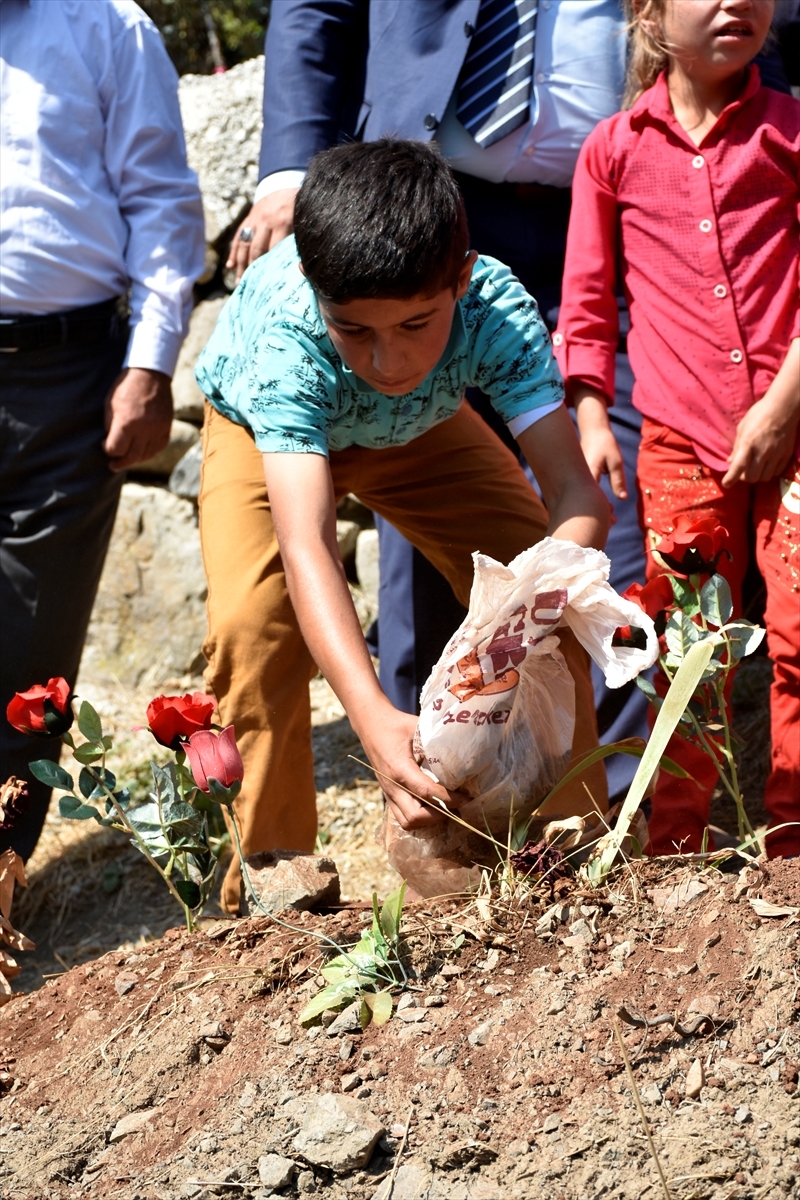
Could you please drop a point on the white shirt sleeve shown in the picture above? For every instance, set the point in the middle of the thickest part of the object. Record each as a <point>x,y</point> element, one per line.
<point>518,425</point>
<point>158,195</point>
<point>277,181</point>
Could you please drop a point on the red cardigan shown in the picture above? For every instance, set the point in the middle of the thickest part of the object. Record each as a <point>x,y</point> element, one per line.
<point>706,240</point>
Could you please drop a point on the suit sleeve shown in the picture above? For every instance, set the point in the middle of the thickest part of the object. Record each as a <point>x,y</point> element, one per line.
<point>585,341</point>
<point>315,55</point>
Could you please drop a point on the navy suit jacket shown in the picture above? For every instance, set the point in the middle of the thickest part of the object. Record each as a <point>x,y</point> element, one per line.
<point>350,68</point>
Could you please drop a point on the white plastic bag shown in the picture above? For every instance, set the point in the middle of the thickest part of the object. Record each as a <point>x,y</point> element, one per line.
<point>498,712</point>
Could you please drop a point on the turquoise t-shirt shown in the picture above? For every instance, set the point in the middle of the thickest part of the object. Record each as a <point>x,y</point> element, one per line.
<point>270,365</point>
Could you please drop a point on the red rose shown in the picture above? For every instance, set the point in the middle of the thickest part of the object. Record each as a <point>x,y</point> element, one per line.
<point>654,597</point>
<point>215,756</point>
<point>693,547</point>
<point>172,717</point>
<point>42,711</point>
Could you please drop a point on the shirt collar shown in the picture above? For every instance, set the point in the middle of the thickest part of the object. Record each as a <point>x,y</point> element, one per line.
<point>455,343</point>
<point>656,104</point>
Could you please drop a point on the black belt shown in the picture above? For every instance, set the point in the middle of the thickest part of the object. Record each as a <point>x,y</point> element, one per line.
<point>94,323</point>
<point>535,195</point>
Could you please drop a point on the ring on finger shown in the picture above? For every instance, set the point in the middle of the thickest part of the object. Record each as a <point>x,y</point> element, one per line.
<point>246,233</point>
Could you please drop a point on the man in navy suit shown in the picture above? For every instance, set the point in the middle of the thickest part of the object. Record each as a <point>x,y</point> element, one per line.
<point>341,69</point>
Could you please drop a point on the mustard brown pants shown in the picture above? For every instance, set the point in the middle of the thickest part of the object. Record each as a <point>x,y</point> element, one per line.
<point>452,490</point>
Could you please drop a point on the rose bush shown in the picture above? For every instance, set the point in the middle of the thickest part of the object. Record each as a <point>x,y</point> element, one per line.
<point>173,718</point>
<point>43,711</point>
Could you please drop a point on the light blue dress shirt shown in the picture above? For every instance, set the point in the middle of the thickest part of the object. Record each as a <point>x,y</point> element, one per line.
<point>95,193</point>
<point>578,79</point>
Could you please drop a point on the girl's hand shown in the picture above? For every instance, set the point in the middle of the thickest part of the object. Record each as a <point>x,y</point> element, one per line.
<point>767,433</point>
<point>598,443</point>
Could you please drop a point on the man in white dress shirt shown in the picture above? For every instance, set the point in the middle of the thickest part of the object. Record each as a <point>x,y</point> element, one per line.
<point>100,243</point>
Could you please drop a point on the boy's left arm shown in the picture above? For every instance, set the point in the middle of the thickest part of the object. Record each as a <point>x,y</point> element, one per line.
<point>578,510</point>
<point>767,434</point>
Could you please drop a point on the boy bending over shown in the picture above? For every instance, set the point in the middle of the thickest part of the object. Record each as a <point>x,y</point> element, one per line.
<point>339,365</point>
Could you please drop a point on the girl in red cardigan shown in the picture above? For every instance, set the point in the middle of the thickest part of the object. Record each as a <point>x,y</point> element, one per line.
<point>690,198</point>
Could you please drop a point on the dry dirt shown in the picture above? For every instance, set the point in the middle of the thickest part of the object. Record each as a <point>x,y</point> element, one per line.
<point>509,1079</point>
<point>504,1067</point>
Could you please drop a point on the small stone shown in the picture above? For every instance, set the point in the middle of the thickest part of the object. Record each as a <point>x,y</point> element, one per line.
<point>346,1047</point>
<point>131,1123</point>
<point>551,1123</point>
<point>363,1092</point>
<point>182,437</point>
<point>275,1171</point>
<point>695,1079</point>
<point>124,981</point>
<point>481,1035</point>
<point>622,951</point>
<point>651,1093</point>
<point>306,1182</point>
<point>350,1082</point>
<point>289,879</point>
<point>208,1145</point>
<point>742,1114</point>
<point>348,1020</point>
<point>412,1015</point>
<point>411,1182</point>
<point>437,1000</point>
<point>338,1132</point>
<point>407,1000</point>
<point>377,1071</point>
<point>185,478</point>
<point>284,1036</point>
<point>706,1004</point>
<point>556,1006</point>
<point>518,1148</point>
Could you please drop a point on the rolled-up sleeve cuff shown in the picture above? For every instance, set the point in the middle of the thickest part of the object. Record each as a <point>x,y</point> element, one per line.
<point>585,363</point>
<point>153,348</point>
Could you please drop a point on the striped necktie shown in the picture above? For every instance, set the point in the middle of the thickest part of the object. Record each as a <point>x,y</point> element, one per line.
<point>494,88</point>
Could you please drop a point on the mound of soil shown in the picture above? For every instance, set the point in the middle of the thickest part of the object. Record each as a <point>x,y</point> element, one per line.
<point>181,1071</point>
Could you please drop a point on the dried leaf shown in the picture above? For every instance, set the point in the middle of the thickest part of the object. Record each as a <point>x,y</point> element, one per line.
<point>12,871</point>
<point>763,908</point>
<point>8,965</point>
<point>670,899</point>
<point>9,935</point>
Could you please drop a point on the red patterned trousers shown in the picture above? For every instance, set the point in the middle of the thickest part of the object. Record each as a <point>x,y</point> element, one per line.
<point>672,480</point>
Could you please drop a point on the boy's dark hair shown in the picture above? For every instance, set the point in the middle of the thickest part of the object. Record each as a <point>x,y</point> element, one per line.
<point>382,218</point>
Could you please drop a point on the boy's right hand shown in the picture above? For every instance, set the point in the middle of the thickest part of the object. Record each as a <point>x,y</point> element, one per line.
<point>388,740</point>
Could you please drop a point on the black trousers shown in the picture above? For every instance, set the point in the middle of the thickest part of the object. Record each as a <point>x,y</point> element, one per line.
<point>58,499</point>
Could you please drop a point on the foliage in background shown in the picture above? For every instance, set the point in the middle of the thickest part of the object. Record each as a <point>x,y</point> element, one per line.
<point>240,27</point>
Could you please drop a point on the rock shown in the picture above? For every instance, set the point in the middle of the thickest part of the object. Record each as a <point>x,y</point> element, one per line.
<point>407,1000</point>
<point>131,1123</point>
<point>339,1132</point>
<point>185,479</point>
<point>367,565</point>
<point>348,1021</point>
<point>124,982</point>
<point>481,1035</point>
<point>290,879</point>
<point>347,535</point>
<point>441,1056</point>
<point>284,1036</point>
<point>346,1048</point>
<point>275,1171</point>
<point>622,951</point>
<point>742,1115</point>
<point>556,1006</point>
<point>189,401</point>
<point>695,1079</point>
<point>670,899</point>
<point>412,1182</point>
<point>706,1004</point>
<point>551,1123</point>
<point>350,1082</point>
<point>651,1093</point>
<point>149,617</point>
<point>182,437</point>
<point>222,122</point>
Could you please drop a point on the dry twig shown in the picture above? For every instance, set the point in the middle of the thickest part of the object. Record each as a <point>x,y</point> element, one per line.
<point>640,1107</point>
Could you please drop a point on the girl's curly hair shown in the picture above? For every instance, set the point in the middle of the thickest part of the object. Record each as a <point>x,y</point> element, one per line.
<point>647,55</point>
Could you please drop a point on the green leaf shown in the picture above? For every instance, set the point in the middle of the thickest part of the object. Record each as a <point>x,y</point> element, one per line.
<point>87,753</point>
<point>107,741</point>
<point>634,747</point>
<point>744,638</point>
<point>89,723</point>
<point>51,775</point>
<point>681,633</point>
<point>380,1004</point>
<point>685,595</point>
<point>716,604</point>
<point>189,892</point>
<point>391,913</point>
<point>677,698</point>
<point>70,806</point>
<point>329,997</point>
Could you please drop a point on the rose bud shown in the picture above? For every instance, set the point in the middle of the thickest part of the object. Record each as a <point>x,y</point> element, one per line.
<point>42,711</point>
<point>694,546</point>
<point>215,759</point>
<point>171,718</point>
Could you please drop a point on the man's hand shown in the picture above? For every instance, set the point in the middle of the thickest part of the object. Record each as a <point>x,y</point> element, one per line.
<point>271,219</point>
<point>138,417</point>
<point>387,738</point>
